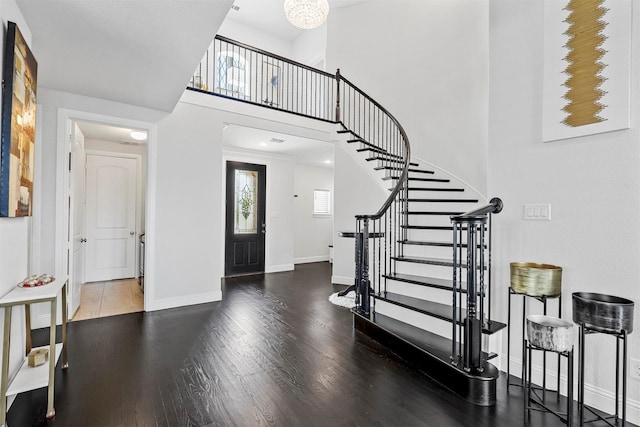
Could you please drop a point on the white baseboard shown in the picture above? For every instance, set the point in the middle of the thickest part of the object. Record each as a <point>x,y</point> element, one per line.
<point>306,260</point>
<point>596,397</point>
<point>166,303</point>
<point>279,268</point>
<point>342,280</point>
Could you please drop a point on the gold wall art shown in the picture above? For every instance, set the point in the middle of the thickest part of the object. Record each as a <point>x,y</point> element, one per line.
<point>586,25</point>
<point>586,67</point>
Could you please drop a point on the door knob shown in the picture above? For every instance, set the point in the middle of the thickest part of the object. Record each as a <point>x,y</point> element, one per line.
<point>131,233</point>
<point>83,240</point>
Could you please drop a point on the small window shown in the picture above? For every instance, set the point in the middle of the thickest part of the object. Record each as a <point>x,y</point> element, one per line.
<point>231,73</point>
<point>321,202</point>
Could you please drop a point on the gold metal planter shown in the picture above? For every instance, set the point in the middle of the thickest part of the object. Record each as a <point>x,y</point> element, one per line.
<point>536,280</point>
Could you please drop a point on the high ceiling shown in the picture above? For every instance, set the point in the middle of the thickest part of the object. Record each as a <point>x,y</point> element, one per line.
<point>138,52</point>
<point>143,52</point>
<point>268,16</point>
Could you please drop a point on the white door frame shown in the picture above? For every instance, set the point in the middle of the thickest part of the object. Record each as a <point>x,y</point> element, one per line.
<point>65,118</point>
<point>139,189</point>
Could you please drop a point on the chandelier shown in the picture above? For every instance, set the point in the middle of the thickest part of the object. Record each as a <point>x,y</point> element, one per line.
<point>306,14</point>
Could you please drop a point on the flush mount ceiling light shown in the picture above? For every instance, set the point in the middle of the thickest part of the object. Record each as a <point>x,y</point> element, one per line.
<point>138,135</point>
<point>306,14</point>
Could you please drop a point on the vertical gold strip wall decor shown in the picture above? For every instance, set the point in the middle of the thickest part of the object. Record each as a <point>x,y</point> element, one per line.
<point>586,36</point>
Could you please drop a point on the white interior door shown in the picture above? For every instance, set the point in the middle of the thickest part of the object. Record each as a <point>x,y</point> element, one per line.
<point>111,217</point>
<point>77,218</point>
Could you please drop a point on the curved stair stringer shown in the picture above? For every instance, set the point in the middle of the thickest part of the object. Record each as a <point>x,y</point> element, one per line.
<point>455,180</point>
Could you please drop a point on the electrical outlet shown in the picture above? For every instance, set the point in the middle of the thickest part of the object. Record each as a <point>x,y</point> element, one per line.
<point>635,369</point>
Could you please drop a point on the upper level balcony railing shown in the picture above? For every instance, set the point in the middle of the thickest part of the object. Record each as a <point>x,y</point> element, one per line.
<point>235,70</point>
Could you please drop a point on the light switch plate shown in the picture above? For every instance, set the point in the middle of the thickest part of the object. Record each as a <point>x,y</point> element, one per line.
<point>537,212</point>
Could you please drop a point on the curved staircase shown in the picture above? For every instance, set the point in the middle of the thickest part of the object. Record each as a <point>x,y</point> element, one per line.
<point>422,259</point>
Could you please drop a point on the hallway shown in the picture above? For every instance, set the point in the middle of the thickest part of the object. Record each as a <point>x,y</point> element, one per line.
<point>109,298</point>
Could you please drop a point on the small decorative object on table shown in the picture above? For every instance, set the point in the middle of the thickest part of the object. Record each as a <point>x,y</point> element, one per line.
<point>35,281</point>
<point>38,357</point>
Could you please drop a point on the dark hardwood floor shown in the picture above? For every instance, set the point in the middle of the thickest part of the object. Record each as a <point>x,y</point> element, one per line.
<point>274,351</point>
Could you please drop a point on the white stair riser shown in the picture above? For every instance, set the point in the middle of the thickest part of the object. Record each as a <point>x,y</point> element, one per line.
<point>440,206</point>
<point>430,235</point>
<point>426,270</point>
<point>432,220</point>
<point>422,292</point>
<point>443,252</point>
<point>413,318</point>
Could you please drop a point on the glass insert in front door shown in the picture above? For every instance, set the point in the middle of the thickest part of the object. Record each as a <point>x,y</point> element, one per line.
<point>246,202</point>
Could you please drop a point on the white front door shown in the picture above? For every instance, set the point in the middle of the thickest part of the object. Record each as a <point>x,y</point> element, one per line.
<point>111,217</point>
<point>76,196</point>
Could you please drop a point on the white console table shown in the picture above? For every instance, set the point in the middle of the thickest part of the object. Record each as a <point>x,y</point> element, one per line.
<point>30,378</point>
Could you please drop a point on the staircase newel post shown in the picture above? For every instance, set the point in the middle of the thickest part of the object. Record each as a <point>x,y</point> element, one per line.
<point>454,322</point>
<point>358,259</point>
<point>364,283</point>
<point>470,321</point>
<point>338,95</point>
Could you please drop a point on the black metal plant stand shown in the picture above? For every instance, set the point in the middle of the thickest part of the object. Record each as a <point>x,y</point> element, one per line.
<point>543,300</point>
<point>621,338</point>
<point>610,315</point>
<point>532,401</point>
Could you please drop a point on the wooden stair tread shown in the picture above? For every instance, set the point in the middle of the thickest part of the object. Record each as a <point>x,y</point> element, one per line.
<point>425,260</point>
<point>433,213</point>
<point>436,344</point>
<point>428,260</point>
<point>431,282</point>
<point>456,190</point>
<point>431,354</point>
<point>429,243</point>
<point>378,168</point>
<point>432,243</point>
<point>386,178</point>
<point>389,160</point>
<point>440,200</point>
<point>435,309</point>
<point>375,149</point>
<point>428,227</point>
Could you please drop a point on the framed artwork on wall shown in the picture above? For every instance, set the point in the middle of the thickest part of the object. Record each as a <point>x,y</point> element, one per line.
<point>18,126</point>
<point>271,84</point>
<point>587,67</point>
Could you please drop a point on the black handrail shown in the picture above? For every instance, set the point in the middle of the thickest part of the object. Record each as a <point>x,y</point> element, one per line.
<point>495,206</point>
<point>272,55</point>
<point>407,156</point>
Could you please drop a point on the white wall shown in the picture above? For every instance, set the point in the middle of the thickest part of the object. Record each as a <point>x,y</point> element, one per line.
<point>187,259</point>
<point>592,184</point>
<point>310,47</point>
<point>430,70</point>
<point>356,192</point>
<point>15,232</point>
<point>256,38</point>
<point>313,234</point>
